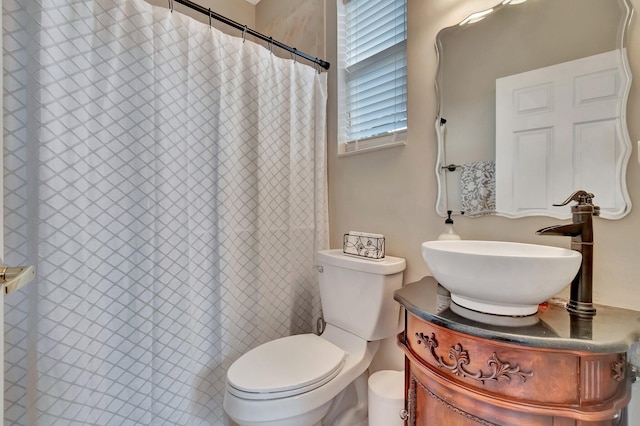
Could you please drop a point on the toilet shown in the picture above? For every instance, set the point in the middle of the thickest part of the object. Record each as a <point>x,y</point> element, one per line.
<point>308,380</point>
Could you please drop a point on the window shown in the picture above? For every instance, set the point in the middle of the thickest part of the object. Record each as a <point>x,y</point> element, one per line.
<point>372,74</point>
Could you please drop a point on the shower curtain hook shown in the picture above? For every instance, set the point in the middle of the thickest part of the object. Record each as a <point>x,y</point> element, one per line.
<point>294,54</point>
<point>244,34</point>
<point>171,5</point>
<point>209,17</point>
<point>271,45</point>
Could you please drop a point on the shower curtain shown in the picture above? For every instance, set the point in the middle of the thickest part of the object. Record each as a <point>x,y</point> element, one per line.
<point>168,183</point>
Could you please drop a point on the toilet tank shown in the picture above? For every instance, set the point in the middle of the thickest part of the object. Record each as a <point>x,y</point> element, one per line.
<point>357,293</point>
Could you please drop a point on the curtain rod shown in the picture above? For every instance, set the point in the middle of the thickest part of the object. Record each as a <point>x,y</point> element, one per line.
<point>325,65</point>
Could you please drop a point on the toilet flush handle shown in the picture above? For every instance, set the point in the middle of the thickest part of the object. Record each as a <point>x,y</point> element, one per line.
<point>13,278</point>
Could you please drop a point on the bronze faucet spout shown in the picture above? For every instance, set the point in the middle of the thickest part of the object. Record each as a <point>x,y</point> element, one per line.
<point>570,230</point>
<point>581,233</point>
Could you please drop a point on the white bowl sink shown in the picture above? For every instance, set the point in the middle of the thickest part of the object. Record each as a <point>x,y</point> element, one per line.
<point>501,278</point>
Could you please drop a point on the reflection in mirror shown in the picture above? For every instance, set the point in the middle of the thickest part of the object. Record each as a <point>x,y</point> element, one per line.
<point>532,103</point>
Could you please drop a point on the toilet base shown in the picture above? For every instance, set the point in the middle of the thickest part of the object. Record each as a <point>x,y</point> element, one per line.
<point>351,406</point>
<point>311,418</point>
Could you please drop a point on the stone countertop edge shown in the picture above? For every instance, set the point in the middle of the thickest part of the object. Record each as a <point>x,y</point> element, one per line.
<point>612,330</point>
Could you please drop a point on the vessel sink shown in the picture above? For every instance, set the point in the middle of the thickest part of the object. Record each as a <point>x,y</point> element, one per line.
<point>498,277</point>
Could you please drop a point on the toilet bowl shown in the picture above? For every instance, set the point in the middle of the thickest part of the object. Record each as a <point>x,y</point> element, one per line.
<point>305,406</point>
<point>305,379</point>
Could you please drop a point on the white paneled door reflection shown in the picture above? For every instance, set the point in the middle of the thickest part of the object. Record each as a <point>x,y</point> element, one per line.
<point>559,129</point>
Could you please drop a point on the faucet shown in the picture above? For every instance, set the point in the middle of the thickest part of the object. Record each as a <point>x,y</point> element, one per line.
<point>581,233</point>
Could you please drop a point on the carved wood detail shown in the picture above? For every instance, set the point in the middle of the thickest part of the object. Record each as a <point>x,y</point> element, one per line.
<point>460,358</point>
<point>451,407</point>
<point>618,370</point>
<point>411,402</point>
<point>445,387</point>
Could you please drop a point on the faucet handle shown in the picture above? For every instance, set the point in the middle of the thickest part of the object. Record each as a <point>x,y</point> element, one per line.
<point>581,196</point>
<point>596,210</point>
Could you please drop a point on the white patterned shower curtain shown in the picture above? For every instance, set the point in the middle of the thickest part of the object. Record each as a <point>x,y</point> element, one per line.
<point>168,183</point>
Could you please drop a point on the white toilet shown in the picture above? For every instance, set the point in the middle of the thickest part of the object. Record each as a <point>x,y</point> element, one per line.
<point>307,380</point>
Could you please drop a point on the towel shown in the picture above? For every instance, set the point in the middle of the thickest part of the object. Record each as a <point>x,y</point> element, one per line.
<point>478,188</point>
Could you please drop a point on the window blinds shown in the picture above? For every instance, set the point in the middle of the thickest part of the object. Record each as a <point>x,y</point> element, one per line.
<point>376,68</point>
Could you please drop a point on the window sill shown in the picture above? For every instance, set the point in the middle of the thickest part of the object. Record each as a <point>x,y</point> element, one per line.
<point>368,145</point>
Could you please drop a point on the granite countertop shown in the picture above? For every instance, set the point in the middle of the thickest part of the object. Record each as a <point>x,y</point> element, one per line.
<point>611,330</point>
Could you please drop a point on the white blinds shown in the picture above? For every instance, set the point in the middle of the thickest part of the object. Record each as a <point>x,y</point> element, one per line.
<point>376,65</point>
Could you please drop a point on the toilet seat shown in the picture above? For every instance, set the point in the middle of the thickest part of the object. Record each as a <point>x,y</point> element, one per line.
<point>285,367</point>
<point>297,409</point>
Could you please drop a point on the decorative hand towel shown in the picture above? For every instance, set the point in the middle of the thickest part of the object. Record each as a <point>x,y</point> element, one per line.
<point>478,188</point>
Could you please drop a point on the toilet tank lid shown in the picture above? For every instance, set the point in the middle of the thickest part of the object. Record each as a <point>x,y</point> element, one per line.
<point>387,266</point>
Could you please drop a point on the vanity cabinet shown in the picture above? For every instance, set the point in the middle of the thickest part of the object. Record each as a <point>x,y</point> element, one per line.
<point>547,370</point>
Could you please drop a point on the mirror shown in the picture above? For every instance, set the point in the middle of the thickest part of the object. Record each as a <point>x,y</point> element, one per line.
<point>532,103</point>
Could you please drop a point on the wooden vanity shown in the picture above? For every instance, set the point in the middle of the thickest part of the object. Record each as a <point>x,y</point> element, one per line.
<point>467,368</point>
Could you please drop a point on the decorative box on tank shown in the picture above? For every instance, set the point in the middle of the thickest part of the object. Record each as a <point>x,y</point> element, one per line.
<point>364,244</point>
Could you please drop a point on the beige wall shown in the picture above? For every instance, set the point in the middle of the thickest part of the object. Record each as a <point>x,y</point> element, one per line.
<point>297,23</point>
<point>240,11</point>
<point>393,191</point>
